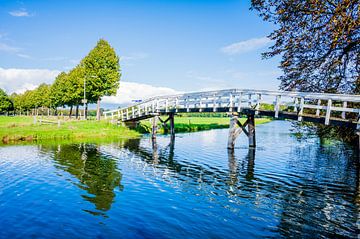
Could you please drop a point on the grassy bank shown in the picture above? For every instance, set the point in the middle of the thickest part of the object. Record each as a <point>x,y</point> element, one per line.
<point>23,129</point>
<point>14,129</point>
<point>192,124</point>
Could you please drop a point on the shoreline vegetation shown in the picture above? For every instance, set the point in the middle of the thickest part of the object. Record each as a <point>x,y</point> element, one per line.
<point>17,129</point>
<point>194,124</point>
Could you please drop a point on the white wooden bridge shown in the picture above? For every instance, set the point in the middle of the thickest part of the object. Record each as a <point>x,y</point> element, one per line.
<point>328,109</point>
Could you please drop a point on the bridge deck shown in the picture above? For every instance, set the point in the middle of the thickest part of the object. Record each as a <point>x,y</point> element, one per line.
<point>328,109</point>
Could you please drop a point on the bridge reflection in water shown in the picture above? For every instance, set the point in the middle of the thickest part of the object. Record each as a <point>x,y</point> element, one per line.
<point>293,202</point>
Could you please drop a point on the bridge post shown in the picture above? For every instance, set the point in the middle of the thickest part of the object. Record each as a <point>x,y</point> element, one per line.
<point>235,131</point>
<point>251,131</point>
<point>164,124</point>
<point>172,127</point>
<point>154,127</point>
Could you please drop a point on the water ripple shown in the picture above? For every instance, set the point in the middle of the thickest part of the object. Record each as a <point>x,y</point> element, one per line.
<point>191,188</point>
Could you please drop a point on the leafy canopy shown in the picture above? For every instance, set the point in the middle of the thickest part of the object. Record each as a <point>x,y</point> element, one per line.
<point>319,41</point>
<point>102,71</point>
<point>5,103</point>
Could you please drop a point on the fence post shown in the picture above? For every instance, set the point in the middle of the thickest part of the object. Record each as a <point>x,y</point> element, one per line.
<point>343,114</point>
<point>231,102</point>
<point>239,102</point>
<point>328,112</point>
<point>277,106</point>
<point>214,104</point>
<point>301,109</point>
<point>317,109</point>
<point>176,104</point>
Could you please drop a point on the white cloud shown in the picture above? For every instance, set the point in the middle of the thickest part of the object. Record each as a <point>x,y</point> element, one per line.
<point>245,46</point>
<point>24,56</point>
<point>19,80</point>
<point>6,48</point>
<point>20,13</point>
<point>129,91</point>
<point>13,50</point>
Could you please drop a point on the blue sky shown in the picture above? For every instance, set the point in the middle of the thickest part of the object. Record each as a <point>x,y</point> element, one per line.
<point>165,46</point>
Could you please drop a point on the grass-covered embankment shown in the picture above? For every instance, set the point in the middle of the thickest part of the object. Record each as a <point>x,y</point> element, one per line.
<point>192,124</point>
<point>18,128</point>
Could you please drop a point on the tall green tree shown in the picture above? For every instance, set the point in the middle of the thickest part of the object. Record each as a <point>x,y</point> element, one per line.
<point>6,104</point>
<point>30,103</point>
<point>102,73</point>
<point>42,95</point>
<point>319,42</point>
<point>57,91</point>
<point>18,102</point>
<point>75,87</point>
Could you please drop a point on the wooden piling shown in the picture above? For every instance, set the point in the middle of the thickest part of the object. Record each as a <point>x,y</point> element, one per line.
<point>172,125</point>
<point>251,131</point>
<point>154,127</point>
<point>233,131</point>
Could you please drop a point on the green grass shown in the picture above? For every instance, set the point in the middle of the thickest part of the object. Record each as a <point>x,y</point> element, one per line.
<point>191,124</point>
<point>23,129</point>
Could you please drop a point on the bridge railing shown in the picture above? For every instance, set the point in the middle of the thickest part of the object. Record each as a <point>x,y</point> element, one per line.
<point>328,106</point>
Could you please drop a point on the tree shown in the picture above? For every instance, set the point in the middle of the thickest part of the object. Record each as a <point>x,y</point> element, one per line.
<point>102,73</point>
<point>62,91</point>
<point>75,87</point>
<point>6,104</point>
<point>319,42</point>
<point>57,91</point>
<point>18,102</point>
<point>29,100</point>
<point>42,96</point>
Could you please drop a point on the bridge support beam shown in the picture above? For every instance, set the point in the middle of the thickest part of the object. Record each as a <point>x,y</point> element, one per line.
<point>235,131</point>
<point>251,130</point>
<point>155,121</point>
<point>165,126</point>
<point>154,127</point>
<point>131,124</point>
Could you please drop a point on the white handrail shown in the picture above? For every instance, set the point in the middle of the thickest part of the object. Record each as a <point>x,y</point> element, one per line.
<point>236,99</point>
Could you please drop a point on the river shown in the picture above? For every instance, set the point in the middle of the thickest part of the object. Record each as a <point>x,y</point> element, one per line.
<point>188,188</point>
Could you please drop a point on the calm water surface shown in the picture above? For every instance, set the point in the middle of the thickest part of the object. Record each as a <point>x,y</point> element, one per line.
<point>191,188</point>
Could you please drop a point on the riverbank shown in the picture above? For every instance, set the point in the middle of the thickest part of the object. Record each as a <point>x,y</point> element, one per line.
<point>15,129</point>
<point>24,129</point>
<point>193,124</point>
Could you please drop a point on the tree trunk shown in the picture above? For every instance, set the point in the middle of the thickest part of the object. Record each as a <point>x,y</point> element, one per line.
<point>77,111</point>
<point>98,109</point>
<point>70,112</point>
<point>86,111</point>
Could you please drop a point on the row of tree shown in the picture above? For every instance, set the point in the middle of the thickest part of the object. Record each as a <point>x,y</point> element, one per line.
<point>98,72</point>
